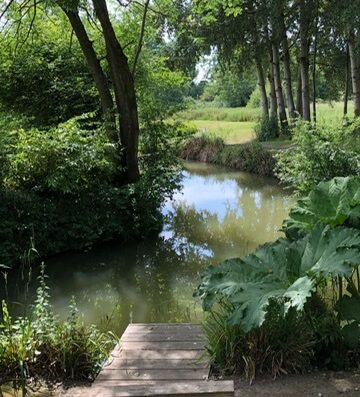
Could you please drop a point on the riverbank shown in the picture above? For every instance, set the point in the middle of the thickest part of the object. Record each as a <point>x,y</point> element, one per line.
<point>248,157</point>
<point>315,384</point>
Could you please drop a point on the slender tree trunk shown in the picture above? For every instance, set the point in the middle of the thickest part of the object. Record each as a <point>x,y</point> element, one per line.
<point>124,91</point>
<point>299,93</point>
<point>346,94</point>
<point>97,73</point>
<point>278,87</point>
<point>355,72</point>
<point>273,102</point>
<point>262,88</point>
<point>304,60</point>
<point>314,61</point>
<point>287,67</point>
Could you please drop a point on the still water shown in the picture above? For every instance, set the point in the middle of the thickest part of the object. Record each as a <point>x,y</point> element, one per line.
<point>218,214</point>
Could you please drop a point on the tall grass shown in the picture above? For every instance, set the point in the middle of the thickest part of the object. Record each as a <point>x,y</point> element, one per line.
<point>326,112</point>
<point>221,114</point>
<point>39,346</point>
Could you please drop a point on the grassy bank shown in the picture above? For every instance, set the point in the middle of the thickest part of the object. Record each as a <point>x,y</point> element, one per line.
<point>236,125</point>
<point>231,132</point>
<point>249,157</point>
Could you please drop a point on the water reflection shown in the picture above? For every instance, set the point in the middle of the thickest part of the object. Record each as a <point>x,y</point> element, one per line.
<point>218,215</point>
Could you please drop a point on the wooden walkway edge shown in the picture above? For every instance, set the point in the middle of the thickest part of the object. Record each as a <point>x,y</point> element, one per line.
<point>157,360</point>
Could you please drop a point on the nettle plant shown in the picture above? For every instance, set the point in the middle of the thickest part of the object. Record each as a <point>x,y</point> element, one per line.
<point>319,257</point>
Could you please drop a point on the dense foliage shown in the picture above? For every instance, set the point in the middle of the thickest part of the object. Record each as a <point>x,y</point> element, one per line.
<point>322,249</point>
<point>47,80</point>
<point>319,154</point>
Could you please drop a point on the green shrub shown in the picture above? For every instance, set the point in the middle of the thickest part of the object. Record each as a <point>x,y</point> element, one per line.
<point>254,100</point>
<point>203,148</point>
<point>267,129</point>
<point>64,159</point>
<point>41,346</point>
<point>250,157</point>
<point>319,154</point>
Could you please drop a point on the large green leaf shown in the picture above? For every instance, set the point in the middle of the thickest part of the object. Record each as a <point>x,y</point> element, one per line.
<point>284,270</point>
<point>334,203</point>
<point>331,251</point>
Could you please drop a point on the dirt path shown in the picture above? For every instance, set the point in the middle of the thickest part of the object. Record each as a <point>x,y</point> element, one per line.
<point>319,384</point>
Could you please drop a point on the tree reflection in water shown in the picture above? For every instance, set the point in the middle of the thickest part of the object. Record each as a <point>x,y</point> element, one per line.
<point>218,215</point>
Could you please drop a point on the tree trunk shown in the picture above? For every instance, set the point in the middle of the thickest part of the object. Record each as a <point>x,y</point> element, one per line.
<point>287,67</point>
<point>262,88</point>
<point>299,93</point>
<point>304,60</point>
<point>355,72</point>
<point>97,73</point>
<point>346,94</point>
<point>273,103</point>
<point>278,87</point>
<point>316,32</point>
<point>124,91</point>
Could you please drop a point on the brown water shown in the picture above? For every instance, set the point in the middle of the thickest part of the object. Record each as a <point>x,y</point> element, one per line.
<point>218,214</point>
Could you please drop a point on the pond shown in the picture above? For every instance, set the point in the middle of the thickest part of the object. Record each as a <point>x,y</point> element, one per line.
<point>218,214</point>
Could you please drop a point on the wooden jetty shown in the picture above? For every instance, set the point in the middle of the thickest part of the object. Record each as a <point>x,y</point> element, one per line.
<point>157,360</point>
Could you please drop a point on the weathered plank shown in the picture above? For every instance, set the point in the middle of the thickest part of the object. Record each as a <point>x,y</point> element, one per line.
<point>153,374</point>
<point>162,326</point>
<point>160,354</point>
<point>182,345</point>
<point>130,363</point>
<point>208,388</point>
<point>163,336</point>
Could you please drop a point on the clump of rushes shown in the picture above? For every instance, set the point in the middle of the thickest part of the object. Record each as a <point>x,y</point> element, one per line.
<point>282,345</point>
<point>250,157</point>
<point>41,346</point>
<point>202,148</point>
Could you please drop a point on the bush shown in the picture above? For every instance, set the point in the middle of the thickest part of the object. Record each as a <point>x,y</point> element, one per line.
<point>319,154</point>
<point>267,129</point>
<point>203,148</point>
<point>39,346</point>
<point>250,157</point>
<point>254,100</point>
<point>64,159</point>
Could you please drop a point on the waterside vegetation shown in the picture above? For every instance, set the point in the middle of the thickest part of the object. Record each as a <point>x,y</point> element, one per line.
<point>292,304</point>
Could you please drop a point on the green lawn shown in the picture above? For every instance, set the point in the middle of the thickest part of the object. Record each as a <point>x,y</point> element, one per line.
<point>231,132</point>
<point>236,125</point>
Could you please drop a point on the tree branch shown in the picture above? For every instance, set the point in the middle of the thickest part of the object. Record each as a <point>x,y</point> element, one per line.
<point>141,38</point>
<point>6,8</point>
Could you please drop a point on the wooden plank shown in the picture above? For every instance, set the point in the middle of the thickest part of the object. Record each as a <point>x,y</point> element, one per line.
<point>161,354</point>
<point>166,325</point>
<point>161,331</point>
<point>123,363</point>
<point>182,345</point>
<point>209,388</point>
<point>153,374</point>
<point>160,337</point>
